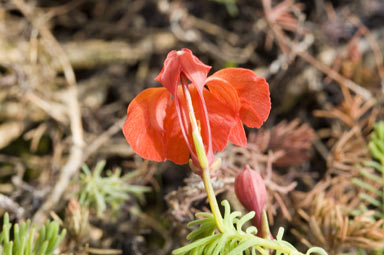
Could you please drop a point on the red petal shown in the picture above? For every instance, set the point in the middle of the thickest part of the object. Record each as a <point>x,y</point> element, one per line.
<point>220,117</point>
<point>195,70</point>
<point>237,135</point>
<point>144,126</point>
<point>182,61</point>
<point>253,92</point>
<point>227,94</point>
<point>170,74</point>
<point>176,148</point>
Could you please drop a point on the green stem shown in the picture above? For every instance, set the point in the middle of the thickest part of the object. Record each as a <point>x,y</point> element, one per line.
<point>212,200</point>
<point>382,186</point>
<point>202,157</point>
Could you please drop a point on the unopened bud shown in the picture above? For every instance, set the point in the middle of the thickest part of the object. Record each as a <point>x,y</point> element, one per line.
<point>76,219</point>
<point>251,192</point>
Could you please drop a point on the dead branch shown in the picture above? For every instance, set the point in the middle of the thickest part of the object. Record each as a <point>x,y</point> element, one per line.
<point>71,100</point>
<point>9,205</point>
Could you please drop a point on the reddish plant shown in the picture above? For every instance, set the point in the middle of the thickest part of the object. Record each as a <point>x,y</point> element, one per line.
<point>159,125</point>
<point>251,192</point>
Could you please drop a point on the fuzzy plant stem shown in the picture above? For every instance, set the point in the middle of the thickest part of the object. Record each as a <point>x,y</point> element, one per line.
<point>203,160</point>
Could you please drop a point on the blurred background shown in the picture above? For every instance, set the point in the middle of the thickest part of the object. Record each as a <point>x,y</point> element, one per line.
<point>69,69</point>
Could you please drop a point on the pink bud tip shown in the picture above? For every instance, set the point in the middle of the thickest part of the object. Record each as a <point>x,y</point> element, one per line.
<point>251,192</point>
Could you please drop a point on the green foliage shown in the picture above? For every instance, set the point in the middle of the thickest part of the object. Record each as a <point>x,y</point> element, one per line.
<point>24,242</point>
<point>112,190</point>
<point>372,183</point>
<point>230,64</point>
<point>376,145</point>
<point>234,241</point>
<point>230,5</point>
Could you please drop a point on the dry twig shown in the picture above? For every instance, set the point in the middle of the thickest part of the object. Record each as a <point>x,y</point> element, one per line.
<point>73,109</point>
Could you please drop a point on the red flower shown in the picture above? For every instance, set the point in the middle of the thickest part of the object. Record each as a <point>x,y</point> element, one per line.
<point>158,126</point>
<point>182,61</point>
<point>251,192</point>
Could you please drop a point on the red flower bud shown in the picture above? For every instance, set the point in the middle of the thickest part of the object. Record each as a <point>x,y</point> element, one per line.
<point>250,190</point>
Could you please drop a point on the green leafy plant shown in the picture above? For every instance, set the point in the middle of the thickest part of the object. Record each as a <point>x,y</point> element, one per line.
<point>372,183</point>
<point>24,242</point>
<point>230,5</point>
<point>234,240</point>
<point>112,190</point>
<point>150,121</point>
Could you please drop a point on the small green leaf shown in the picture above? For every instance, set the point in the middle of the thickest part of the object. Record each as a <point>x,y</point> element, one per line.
<point>43,248</point>
<point>23,242</point>
<point>106,192</point>
<point>366,186</point>
<point>370,199</point>
<point>233,241</point>
<point>316,250</point>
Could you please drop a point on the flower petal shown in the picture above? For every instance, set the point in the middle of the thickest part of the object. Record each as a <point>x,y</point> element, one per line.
<point>221,119</point>
<point>195,70</point>
<point>237,135</point>
<point>253,92</point>
<point>227,94</point>
<point>144,126</point>
<point>182,61</point>
<point>176,148</point>
<point>170,74</point>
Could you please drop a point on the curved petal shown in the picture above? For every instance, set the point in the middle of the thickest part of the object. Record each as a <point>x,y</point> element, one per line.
<point>220,117</point>
<point>176,148</point>
<point>253,91</point>
<point>170,74</point>
<point>144,126</point>
<point>182,61</point>
<point>195,70</point>
<point>227,94</point>
<point>237,135</point>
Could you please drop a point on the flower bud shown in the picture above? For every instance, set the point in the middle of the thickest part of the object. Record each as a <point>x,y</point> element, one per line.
<point>251,192</point>
<point>76,220</point>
